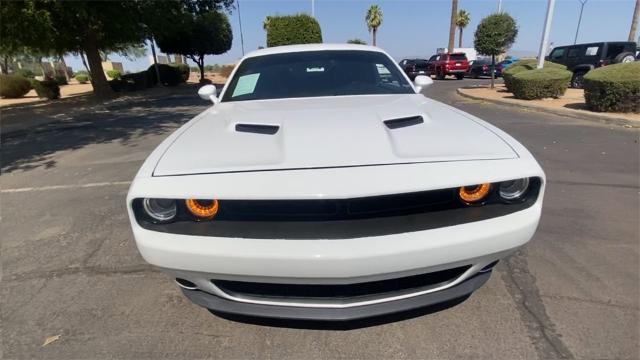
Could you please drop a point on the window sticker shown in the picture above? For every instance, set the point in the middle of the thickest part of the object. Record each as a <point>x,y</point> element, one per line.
<point>592,50</point>
<point>246,84</point>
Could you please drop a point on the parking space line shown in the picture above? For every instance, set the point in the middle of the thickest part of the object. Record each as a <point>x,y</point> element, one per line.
<point>62,187</point>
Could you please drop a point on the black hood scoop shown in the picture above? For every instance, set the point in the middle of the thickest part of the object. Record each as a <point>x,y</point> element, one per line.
<point>258,129</point>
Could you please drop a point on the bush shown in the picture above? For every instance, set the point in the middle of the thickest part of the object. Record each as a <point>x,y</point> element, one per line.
<point>81,72</point>
<point>293,29</point>
<point>613,88</point>
<point>525,65</point>
<point>169,75</point>
<point>26,73</point>
<point>114,74</point>
<point>60,80</point>
<point>184,71</point>
<point>46,89</point>
<point>82,79</point>
<point>133,82</point>
<point>14,86</point>
<point>540,83</point>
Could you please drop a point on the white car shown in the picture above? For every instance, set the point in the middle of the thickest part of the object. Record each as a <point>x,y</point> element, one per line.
<point>322,185</point>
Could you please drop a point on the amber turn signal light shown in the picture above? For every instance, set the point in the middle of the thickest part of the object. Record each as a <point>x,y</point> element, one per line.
<point>202,209</point>
<point>474,193</point>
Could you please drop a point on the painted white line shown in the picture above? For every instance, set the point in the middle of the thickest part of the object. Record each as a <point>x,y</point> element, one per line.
<point>59,187</point>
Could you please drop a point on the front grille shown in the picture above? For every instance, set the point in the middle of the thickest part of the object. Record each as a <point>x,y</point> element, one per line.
<point>357,291</point>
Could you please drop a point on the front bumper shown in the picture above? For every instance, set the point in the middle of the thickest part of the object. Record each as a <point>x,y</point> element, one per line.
<point>220,304</point>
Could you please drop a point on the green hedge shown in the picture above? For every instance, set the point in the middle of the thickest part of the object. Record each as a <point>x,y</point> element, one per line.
<point>185,71</point>
<point>60,80</point>
<point>114,74</point>
<point>525,65</point>
<point>292,29</point>
<point>25,73</point>
<point>170,76</point>
<point>46,89</point>
<point>613,88</point>
<point>82,78</point>
<point>540,83</point>
<point>14,86</point>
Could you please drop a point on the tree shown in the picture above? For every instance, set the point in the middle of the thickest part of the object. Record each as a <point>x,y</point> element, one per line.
<point>495,35</point>
<point>452,25</point>
<point>292,29</point>
<point>356,41</point>
<point>462,20</point>
<point>374,20</point>
<point>197,36</point>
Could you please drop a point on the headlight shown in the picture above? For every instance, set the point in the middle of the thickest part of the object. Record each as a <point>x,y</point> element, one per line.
<point>513,189</point>
<point>202,209</point>
<point>160,210</point>
<point>474,193</point>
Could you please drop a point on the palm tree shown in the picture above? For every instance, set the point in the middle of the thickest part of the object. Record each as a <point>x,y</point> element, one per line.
<point>462,20</point>
<point>374,20</point>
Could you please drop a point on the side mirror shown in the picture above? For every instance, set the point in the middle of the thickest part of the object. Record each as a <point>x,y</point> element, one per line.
<point>422,82</point>
<point>209,92</point>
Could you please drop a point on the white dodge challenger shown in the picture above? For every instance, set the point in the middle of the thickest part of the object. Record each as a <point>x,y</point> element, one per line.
<point>321,185</point>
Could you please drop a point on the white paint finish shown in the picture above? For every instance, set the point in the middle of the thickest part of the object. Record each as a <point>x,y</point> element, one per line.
<point>326,132</point>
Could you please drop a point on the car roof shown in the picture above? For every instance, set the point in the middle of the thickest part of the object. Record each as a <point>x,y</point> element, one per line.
<point>312,47</point>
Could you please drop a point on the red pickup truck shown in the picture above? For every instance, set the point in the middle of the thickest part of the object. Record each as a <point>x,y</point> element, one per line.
<point>442,65</point>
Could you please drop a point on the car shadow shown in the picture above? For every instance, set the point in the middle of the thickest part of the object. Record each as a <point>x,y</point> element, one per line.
<point>341,325</point>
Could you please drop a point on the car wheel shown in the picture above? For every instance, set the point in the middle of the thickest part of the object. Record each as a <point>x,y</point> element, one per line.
<point>577,80</point>
<point>459,76</point>
<point>624,58</point>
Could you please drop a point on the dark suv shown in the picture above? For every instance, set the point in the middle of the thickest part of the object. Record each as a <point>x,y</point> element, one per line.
<point>581,58</point>
<point>414,67</point>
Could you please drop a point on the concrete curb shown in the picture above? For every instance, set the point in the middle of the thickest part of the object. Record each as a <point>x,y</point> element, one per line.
<point>578,114</point>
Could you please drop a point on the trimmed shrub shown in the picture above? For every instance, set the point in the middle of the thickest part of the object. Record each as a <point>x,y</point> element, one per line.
<point>46,89</point>
<point>170,76</point>
<point>26,73</point>
<point>613,88</point>
<point>13,86</point>
<point>292,29</point>
<point>133,82</point>
<point>82,79</point>
<point>525,65</point>
<point>540,83</point>
<point>60,80</point>
<point>81,72</point>
<point>184,71</point>
<point>114,74</point>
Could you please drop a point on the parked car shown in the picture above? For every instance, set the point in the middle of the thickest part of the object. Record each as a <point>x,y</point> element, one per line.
<point>442,65</point>
<point>480,67</point>
<point>582,58</point>
<point>414,67</point>
<point>503,65</point>
<point>316,188</point>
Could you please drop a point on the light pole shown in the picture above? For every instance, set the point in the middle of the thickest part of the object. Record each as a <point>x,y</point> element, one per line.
<point>545,33</point>
<point>499,6</point>
<point>582,2</point>
<point>240,23</point>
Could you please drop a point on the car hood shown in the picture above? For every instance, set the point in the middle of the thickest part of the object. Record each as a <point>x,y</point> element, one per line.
<point>327,132</point>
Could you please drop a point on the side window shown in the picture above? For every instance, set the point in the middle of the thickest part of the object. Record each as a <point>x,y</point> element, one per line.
<point>403,62</point>
<point>433,58</point>
<point>573,52</point>
<point>613,50</point>
<point>592,51</point>
<point>557,54</point>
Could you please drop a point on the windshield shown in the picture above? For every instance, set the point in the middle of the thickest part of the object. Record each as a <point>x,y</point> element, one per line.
<point>316,73</point>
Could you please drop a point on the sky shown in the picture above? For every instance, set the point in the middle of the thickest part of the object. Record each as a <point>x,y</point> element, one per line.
<point>416,28</point>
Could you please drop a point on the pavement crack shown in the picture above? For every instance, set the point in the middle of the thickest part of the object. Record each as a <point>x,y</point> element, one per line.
<point>521,286</point>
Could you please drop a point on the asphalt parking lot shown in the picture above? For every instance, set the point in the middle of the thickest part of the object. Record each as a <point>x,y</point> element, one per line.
<point>70,267</point>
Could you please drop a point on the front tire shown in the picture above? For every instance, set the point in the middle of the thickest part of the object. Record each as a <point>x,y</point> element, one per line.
<point>577,80</point>
<point>459,76</point>
<point>624,57</point>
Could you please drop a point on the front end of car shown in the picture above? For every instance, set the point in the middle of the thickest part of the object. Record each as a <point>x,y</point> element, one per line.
<point>360,242</point>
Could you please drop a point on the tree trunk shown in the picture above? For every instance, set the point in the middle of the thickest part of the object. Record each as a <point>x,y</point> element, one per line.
<point>44,73</point>
<point>155,60</point>
<point>200,63</point>
<point>460,39</point>
<point>375,30</point>
<point>493,70</point>
<point>5,64</point>
<point>84,62</point>
<point>101,88</point>
<point>64,67</point>
<point>634,22</point>
<point>452,25</point>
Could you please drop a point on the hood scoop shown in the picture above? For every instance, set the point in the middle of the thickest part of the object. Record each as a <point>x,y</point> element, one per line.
<point>404,122</point>
<point>258,129</point>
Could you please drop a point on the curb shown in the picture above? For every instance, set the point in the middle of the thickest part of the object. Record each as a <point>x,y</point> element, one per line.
<point>578,114</point>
